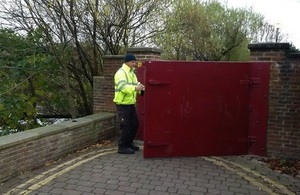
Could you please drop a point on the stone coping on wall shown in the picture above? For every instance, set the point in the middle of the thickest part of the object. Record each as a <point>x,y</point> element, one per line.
<point>143,50</point>
<point>269,46</point>
<point>25,136</point>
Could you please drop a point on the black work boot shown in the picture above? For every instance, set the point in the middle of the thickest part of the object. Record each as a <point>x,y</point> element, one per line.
<point>134,147</point>
<point>125,150</point>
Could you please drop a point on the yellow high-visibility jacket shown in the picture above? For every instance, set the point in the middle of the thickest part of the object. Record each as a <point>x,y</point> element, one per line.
<point>125,83</point>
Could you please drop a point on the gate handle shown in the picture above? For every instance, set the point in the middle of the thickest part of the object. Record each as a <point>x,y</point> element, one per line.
<point>157,82</point>
<point>157,144</point>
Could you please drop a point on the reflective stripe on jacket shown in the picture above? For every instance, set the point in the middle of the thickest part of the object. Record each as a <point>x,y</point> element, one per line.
<point>125,83</point>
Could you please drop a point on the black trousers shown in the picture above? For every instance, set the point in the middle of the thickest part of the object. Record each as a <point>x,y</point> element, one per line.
<point>129,124</point>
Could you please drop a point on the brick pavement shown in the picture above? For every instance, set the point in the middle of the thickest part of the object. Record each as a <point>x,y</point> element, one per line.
<point>103,171</point>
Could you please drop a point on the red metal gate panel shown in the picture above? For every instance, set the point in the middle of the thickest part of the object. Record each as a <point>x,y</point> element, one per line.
<point>194,108</point>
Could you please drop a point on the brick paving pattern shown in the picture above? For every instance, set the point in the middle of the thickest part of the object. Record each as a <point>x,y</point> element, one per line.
<point>118,174</point>
<point>132,174</point>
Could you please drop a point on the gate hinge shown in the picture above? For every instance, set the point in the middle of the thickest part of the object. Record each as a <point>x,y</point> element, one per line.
<point>249,140</point>
<point>252,139</point>
<point>252,82</point>
<point>157,144</point>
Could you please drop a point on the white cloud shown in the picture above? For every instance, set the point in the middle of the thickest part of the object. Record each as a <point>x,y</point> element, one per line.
<point>284,13</point>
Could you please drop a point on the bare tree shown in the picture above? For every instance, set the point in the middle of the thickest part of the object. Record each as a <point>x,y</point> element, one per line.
<point>79,32</point>
<point>268,33</point>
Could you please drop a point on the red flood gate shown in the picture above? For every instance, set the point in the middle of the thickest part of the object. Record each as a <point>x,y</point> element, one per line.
<point>203,108</point>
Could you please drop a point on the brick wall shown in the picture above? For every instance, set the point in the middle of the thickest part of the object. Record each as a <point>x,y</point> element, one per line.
<point>283,133</point>
<point>33,148</point>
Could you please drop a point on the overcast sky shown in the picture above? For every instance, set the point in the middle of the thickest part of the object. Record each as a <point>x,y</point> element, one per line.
<point>284,14</point>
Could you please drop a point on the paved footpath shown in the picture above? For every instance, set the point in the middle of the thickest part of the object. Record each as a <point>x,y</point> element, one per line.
<point>103,171</point>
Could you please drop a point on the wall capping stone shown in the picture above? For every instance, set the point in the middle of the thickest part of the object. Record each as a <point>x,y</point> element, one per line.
<point>143,50</point>
<point>269,46</point>
<point>31,149</point>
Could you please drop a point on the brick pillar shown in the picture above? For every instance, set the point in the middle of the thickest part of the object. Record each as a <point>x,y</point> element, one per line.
<point>103,91</point>
<point>284,98</point>
<point>268,51</point>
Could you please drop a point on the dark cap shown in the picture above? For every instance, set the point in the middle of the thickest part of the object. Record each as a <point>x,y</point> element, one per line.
<point>129,57</point>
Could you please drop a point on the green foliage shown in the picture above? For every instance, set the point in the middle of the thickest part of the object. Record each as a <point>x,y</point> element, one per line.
<point>293,49</point>
<point>28,77</point>
<point>206,31</point>
<point>238,53</point>
<point>17,113</point>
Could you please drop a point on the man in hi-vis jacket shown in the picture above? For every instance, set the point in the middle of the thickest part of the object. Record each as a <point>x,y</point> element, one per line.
<point>126,89</point>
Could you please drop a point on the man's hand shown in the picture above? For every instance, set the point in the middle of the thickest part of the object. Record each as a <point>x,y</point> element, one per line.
<point>140,87</point>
